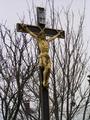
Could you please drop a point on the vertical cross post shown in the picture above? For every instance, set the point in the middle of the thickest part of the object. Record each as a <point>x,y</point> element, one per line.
<point>44,96</point>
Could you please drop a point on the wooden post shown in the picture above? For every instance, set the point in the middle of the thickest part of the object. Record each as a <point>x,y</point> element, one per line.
<point>44,98</point>
<point>44,91</point>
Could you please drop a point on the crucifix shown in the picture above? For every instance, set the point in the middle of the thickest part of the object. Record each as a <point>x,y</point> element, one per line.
<point>40,32</point>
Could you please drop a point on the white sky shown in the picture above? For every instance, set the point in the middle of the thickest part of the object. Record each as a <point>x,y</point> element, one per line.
<point>10,9</point>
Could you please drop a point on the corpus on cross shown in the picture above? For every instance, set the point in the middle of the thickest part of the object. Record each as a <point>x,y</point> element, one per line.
<point>39,33</point>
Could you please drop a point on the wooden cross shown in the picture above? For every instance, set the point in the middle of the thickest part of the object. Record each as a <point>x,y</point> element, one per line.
<point>35,31</point>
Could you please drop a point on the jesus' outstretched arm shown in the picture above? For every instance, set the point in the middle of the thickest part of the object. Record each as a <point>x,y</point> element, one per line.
<point>54,37</point>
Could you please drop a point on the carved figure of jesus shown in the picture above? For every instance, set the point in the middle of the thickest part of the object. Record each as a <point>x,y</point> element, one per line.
<point>44,59</point>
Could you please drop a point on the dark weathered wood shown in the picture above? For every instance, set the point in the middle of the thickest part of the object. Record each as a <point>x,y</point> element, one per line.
<point>44,98</point>
<point>41,17</point>
<point>36,29</point>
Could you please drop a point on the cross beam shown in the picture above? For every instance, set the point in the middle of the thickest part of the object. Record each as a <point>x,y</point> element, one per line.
<point>36,29</point>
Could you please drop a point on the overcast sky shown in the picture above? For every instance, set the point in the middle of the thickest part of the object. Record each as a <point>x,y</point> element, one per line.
<point>11,9</point>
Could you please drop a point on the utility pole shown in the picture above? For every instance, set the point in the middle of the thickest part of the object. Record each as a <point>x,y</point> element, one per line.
<point>44,95</point>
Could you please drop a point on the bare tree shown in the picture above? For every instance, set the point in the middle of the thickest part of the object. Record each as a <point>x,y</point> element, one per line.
<point>69,68</point>
<point>17,67</point>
